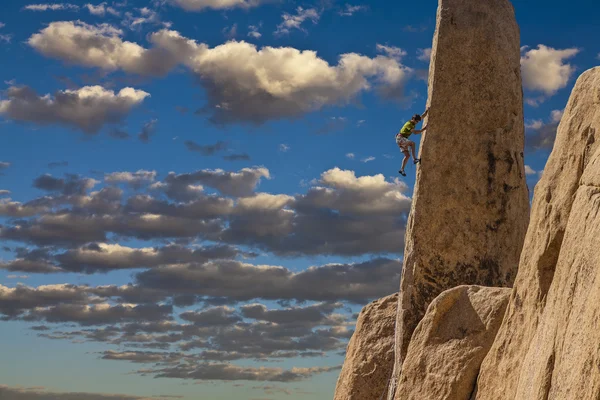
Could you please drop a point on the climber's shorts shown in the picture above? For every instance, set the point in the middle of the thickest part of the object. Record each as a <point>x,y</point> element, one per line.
<point>402,142</point>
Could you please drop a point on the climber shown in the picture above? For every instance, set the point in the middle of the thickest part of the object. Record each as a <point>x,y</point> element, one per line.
<point>404,144</point>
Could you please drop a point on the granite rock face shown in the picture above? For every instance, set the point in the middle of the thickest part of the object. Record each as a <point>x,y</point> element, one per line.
<point>548,345</point>
<point>450,342</point>
<point>470,209</point>
<point>370,353</point>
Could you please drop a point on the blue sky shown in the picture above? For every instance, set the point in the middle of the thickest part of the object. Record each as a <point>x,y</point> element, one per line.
<point>197,196</point>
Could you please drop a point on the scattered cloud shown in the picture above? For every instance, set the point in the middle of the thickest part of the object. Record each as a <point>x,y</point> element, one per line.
<point>253,31</point>
<point>4,165</point>
<point>52,7</point>
<point>349,10</point>
<point>207,149</point>
<point>291,22</point>
<point>540,134</point>
<point>350,156</point>
<point>367,159</point>
<point>147,130</point>
<point>102,9</point>
<point>142,16</point>
<point>201,5</point>
<point>88,108</point>
<point>544,69</point>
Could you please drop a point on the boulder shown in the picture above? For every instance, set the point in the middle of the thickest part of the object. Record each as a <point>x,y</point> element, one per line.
<point>470,207</point>
<point>450,342</point>
<point>370,353</point>
<point>548,345</point>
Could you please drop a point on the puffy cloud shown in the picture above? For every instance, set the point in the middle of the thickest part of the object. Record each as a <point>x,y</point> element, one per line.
<point>100,257</point>
<point>101,46</point>
<point>201,5</point>
<point>134,179</point>
<point>37,393</point>
<point>295,21</point>
<point>241,281</point>
<point>237,184</point>
<point>243,83</point>
<point>51,7</point>
<point>88,108</point>
<point>9,208</point>
<point>544,69</point>
<point>101,9</point>
<point>16,301</point>
<point>73,184</point>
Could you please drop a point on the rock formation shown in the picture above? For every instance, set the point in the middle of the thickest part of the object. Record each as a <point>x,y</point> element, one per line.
<point>548,345</point>
<point>370,353</point>
<point>450,342</point>
<point>470,209</point>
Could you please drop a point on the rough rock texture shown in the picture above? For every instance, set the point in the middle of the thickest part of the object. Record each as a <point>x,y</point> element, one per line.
<point>470,210</point>
<point>548,346</point>
<point>370,353</point>
<point>450,342</point>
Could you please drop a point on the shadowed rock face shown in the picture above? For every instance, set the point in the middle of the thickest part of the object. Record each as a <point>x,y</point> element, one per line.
<point>450,342</point>
<point>370,353</point>
<point>548,345</point>
<point>470,209</point>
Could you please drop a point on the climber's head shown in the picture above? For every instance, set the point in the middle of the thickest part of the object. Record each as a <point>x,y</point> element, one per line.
<point>416,118</point>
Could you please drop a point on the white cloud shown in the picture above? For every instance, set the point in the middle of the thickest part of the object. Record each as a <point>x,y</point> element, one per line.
<point>243,83</point>
<point>88,108</point>
<point>2,24</point>
<point>534,124</point>
<point>367,159</point>
<point>284,147</point>
<point>51,7</point>
<point>295,21</point>
<point>201,5</point>
<point>424,54</point>
<point>544,69</point>
<point>350,156</point>
<point>101,10</point>
<point>556,115</point>
<point>254,31</point>
<point>349,10</point>
<point>134,179</point>
<point>529,170</point>
<point>391,51</point>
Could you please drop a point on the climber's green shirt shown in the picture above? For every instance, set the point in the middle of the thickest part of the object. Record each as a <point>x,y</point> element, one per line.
<point>407,129</point>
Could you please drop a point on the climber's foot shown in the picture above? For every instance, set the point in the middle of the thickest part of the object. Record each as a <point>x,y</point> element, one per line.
<point>402,173</point>
<point>417,160</point>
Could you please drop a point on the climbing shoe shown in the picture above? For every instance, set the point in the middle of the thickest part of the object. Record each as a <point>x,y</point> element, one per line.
<point>402,173</point>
